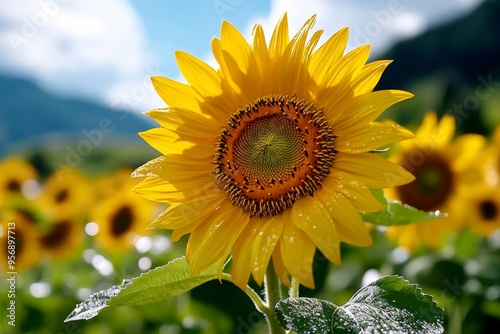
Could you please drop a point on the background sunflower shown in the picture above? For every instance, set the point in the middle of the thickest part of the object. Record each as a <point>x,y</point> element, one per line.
<point>442,168</point>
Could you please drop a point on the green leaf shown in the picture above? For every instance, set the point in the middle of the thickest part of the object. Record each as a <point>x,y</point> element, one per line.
<point>388,305</point>
<point>305,315</point>
<point>157,284</point>
<point>397,213</point>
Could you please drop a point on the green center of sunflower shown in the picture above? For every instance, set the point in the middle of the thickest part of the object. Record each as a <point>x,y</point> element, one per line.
<point>488,209</point>
<point>433,184</point>
<point>273,151</point>
<point>268,149</point>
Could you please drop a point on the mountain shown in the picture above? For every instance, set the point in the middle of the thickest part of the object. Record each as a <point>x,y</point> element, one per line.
<point>469,45</point>
<point>34,123</point>
<point>451,69</point>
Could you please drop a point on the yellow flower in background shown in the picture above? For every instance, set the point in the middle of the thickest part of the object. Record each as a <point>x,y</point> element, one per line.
<point>65,194</point>
<point>63,237</point>
<point>490,165</point>
<point>109,185</point>
<point>121,219</point>
<point>268,157</point>
<point>441,166</point>
<point>14,173</point>
<point>484,209</point>
<point>26,238</point>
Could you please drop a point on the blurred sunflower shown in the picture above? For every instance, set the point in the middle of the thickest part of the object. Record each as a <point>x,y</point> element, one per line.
<point>441,168</point>
<point>27,246</point>
<point>14,173</point>
<point>65,193</point>
<point>490,165</point>
<point>109,185</point>
<point>484,214</point>
<point>268,157</point>
<point>63,238</point>
<point>120,219</point>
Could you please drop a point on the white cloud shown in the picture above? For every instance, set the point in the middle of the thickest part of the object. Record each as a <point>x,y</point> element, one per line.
<point>92,49</point>
<point>378,22</point>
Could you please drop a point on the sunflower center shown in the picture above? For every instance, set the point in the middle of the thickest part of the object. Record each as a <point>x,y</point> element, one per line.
<point>273,152</point>
<point>13,186</point>
<point>61,196</point>
<point>433,182</point>
<point>57,235</point>
<point>122,221</point>
<point>268,149</point>
<point>488,209</point>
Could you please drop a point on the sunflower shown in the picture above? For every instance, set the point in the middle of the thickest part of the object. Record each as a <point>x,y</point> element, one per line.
<point>62,238</point>
<point>108,185</point>
<point>442,168</point>
<point>14,173</point>
<point>27,246</point>
<point>484,213</point>
<point>270,156</point>
<point>120,219</point>
<point>65,194</point>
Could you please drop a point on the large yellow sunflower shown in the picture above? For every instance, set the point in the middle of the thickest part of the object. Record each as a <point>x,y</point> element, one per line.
<point>442,167</point>
<point>269,156</point>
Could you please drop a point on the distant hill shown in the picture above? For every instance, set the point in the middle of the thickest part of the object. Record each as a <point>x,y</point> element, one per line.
<point>456,65</point>
<point>470,45</point>
<point>34,121</point>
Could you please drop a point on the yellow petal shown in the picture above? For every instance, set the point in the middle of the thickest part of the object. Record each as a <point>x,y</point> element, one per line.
<point>372,170</point>
<point>159,190</point>
<point>187,213</point>
<point>445,131</point>
<point>180,170</point>
<point>369,76</point>
<point>372,137</point>
<point>350,227</point>
<point>363,109</point>
<point>279,266</point>
<point>176,94</point>
<point>347,67</point>
<point>261,52</point>
<point>211,240</point>
<point>150,168</point>
<point>295,72</point>
<point>242,252</point>
<point>235,44</point>
<point>312,217</point>
<point>186,122</point>
<point>280,38</point>
<point>169,142</point>
<point>357,193</point>
<point>263,246</point>
<point>203,78</point>
<point>297,250</point>
<point>428,125</point>
<point>328,54</point>
<point>464,150</point>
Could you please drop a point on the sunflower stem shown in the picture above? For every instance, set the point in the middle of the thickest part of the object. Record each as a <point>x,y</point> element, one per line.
<point>273,296</point>
<point>254,296</point>
<point>294,288</point>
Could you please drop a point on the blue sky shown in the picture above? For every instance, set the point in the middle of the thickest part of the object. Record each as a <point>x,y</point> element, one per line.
<point>106,50</point>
